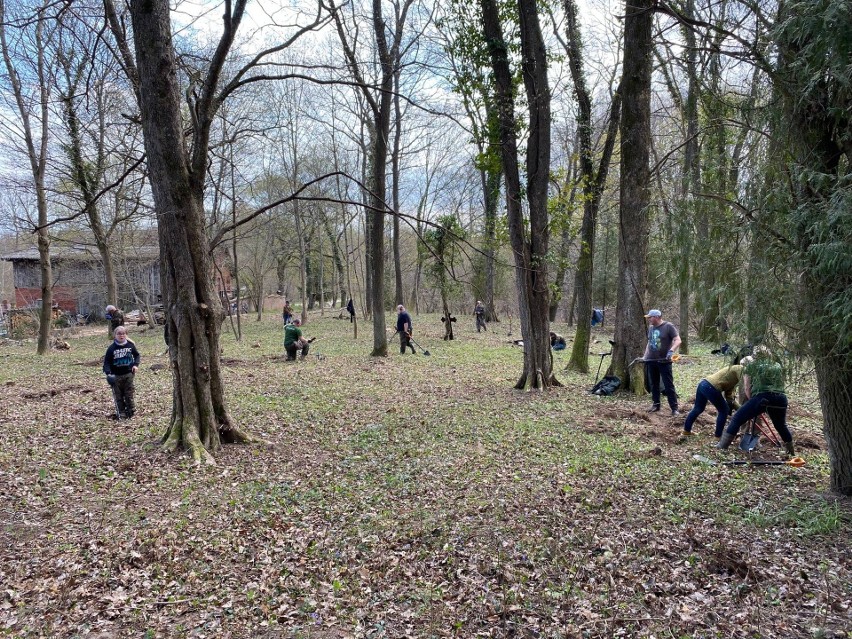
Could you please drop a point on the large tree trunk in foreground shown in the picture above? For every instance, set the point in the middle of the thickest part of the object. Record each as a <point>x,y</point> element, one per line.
<point>813,78</point>
<point>200,421</point>
<point>834,379</point>
<point>530,252</point>
<point>633,225</point>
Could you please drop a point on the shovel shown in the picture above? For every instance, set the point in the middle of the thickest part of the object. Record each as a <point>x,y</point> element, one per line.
<point>751,438</point>
<point>749,441</point>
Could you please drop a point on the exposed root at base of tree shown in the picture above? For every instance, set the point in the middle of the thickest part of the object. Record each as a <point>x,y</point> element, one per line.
<point>183,434</point>
<point>538,383</point>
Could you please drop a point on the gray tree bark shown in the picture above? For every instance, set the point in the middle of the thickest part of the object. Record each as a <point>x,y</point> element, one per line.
<point>37,156</point>
<point>200,421</point>
<point>530,248</point>
<point>633,226</point>
<point>593,185</point>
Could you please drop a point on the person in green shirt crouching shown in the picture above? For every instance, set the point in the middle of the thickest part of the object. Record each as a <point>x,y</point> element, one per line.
<point>763,382</point>
<point>293,340</point>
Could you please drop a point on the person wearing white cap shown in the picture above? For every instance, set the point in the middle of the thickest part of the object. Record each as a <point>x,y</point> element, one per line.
<point>479,313</point>
<point>115,317</point>
<point>663,342</point>
<point>404,327</point>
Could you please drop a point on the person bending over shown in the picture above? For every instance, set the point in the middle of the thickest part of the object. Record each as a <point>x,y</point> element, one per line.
<point>763,382</point>
<point>718,389</point>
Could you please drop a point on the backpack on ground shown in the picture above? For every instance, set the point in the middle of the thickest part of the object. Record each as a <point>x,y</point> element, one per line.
<point>607,386</point>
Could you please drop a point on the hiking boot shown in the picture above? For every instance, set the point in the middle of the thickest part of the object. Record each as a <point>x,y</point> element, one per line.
<point>726,440</point>
<point>654,409</point>
<point>684,437</point>
<point>788,448</point>
<point>676,412</point>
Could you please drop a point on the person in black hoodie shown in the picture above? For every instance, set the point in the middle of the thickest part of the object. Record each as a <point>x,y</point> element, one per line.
<point>120,365</point>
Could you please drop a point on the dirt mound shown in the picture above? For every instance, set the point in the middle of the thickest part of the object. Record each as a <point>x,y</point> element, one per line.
<point>53,392</point>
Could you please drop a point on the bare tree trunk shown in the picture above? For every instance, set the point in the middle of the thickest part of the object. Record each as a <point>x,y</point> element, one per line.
<point>593,185</point>
<point>530,252</point>
<point>236,273</point>
<point>368,241</point>
<point>87,176</point>
<point>340,276</point>
<point>200,420</point>
<point>491,188</point>
<point>321,276</point>
<point>633,209</point>
<point>303,260</point>
<point>395,177</point>
<point>38,162</point>
<point>566,239</point>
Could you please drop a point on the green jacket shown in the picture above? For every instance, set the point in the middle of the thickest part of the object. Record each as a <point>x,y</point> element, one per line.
<point>765,376</point>
<point>292,333</point>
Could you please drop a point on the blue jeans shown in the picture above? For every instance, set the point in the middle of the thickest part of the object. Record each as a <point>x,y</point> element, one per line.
<point>656,371</point>
<point>703,394</point>
<point>773,404</point>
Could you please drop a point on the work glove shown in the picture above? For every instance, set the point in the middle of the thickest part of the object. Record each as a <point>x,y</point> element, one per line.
<point>110,379</point>
<point>669,355</point>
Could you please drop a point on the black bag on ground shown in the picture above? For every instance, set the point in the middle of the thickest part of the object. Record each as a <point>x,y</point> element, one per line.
<point>607,386</point>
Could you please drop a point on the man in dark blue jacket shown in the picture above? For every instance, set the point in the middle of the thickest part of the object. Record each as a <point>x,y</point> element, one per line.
<point>120,365</point>
<point>403,327</point>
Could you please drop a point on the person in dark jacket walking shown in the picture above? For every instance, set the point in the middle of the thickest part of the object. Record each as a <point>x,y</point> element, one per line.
<point>121,362</point>
<point>403,327</point>
<point>350,307</point>
<point>479,312</point>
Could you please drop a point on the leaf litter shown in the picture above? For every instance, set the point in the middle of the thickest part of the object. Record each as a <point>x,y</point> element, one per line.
<point>400,497</point>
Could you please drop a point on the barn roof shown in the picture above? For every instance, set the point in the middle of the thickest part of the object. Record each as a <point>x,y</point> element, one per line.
<point>80,253</point>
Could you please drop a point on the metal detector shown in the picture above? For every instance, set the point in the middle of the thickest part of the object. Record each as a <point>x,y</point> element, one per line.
<point>114,395</point>
<point>603,355</point>
<point>422,350</point>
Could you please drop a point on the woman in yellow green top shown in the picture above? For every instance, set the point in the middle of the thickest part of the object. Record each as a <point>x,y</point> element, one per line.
<point>718,389</point>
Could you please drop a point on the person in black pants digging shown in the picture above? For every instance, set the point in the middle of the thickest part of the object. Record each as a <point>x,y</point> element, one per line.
<point>763,381</point>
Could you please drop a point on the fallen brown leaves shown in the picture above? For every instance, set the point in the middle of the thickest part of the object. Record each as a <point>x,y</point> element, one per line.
<point>398,497</point>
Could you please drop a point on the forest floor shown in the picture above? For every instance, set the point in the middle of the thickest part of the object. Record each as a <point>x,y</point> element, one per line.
<point>406,496</point>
